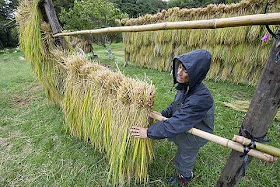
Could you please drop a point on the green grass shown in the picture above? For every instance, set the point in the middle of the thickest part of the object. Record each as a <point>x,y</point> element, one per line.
<point>35,149</point>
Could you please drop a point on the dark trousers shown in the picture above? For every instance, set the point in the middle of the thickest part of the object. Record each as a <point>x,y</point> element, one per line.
<point>188,147</point>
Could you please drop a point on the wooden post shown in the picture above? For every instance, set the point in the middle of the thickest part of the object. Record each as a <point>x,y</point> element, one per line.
<point>261,113</point>
<point>53,21</point>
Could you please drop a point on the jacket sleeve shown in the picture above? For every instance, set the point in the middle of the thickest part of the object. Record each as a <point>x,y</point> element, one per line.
<point>168,111</point>
<point>190,114</point>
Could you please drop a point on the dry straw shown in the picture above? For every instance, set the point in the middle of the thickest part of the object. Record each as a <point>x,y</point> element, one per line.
<point>243,106</point>
<point>36,42</point>
<point>99,105</point>
<point>238,54</point>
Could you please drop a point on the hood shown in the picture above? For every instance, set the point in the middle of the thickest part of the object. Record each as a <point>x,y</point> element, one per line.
<point>197,64</point>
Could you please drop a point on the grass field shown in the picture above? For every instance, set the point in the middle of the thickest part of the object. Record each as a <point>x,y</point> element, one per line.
<point>35,149</point>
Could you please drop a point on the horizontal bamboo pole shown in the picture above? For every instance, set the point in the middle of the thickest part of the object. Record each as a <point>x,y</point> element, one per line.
<point>257,19</point>
<point>220,140</point>
<point>259,146</point>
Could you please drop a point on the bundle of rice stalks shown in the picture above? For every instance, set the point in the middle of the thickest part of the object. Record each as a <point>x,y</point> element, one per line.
<point>131,155</point>
<point>37,44</point>
<point>81,43</point>
<point>209,12</point>
<point>100,106</point>
<point>29,21</point>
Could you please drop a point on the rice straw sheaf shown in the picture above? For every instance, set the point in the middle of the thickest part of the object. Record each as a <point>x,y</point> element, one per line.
<point>37,44</point>
<point>99,105</point>
<point>167,44</point>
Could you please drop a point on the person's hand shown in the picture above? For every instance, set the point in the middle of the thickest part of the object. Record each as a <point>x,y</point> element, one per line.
<point>158,113</point>
<point>138,132</point>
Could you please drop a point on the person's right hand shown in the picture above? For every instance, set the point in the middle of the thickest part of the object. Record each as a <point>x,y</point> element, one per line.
<point>139,132</point>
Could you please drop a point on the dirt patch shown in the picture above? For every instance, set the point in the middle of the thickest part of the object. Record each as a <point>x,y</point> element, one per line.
<point>20,101</point>
<point>34,88</point>
<point>27,148</point>
<point>14,134</point>
<point>3,142</point>
<point>6,144</point>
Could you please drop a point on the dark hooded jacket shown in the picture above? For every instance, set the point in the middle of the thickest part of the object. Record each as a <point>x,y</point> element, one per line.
<point>193,105</point>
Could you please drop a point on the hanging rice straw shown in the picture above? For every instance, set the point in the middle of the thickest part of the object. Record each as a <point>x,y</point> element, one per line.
<point>224,44</point>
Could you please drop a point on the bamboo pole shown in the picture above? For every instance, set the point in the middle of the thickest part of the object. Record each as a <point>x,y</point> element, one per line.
<point>220,140</point>
<point>257,19</point>
<point>259,146</point>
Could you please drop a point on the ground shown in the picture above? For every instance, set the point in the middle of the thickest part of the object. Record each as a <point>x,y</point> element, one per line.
<point>36,150</point>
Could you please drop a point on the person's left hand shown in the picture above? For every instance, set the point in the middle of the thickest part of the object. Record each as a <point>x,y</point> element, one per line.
<point>138,132</point>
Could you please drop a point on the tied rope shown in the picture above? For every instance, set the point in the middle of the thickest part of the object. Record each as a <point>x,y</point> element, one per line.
<point>247,148</point>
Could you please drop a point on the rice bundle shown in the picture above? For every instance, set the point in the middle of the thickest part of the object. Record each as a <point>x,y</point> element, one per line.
<point>37,44</point>
<point>99,105</point>
<point>236,47</point>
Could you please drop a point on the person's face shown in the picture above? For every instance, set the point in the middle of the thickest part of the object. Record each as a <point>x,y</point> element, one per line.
<point>182,75</point>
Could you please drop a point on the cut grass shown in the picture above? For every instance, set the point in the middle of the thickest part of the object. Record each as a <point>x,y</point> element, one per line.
<point>35,149</point>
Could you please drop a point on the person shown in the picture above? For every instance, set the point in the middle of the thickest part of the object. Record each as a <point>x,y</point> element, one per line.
<point>193,106</point>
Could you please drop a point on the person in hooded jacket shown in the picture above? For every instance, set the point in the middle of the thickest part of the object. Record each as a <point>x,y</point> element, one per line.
<point>193,106</point>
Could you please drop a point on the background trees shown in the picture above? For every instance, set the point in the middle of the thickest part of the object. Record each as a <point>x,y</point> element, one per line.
<point>93,14</point>
<point>136,8</point>
<point>62,4</point>
<point>104,13</point>
<point>8,33</point>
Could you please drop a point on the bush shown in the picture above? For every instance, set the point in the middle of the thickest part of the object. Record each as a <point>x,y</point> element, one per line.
<point>8,37</point>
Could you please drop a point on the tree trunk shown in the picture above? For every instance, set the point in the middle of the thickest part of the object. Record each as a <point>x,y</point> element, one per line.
<point>262,111</point>
<point>109,50</point>
<point>53,21</point>
<point>125,63</point>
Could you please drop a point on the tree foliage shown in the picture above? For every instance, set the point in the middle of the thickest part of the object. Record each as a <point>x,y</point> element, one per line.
<point>89,14</point>
<point>136,8</point>
<point>92,14</point>
<point>8,33</point>
<point>62,4</point>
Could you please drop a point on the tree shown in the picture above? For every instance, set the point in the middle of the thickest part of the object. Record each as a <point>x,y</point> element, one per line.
<point>93,14</point>
<point>136,8</point>
<point>262,110</point>
<point>8,33</point>
<point>62,4</point>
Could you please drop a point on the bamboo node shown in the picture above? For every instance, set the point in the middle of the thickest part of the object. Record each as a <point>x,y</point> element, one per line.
<point>215,23</point>
<point>165,26</point>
